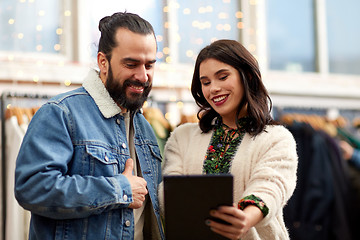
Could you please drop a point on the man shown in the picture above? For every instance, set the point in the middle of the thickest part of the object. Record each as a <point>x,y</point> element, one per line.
<point>89,165</point>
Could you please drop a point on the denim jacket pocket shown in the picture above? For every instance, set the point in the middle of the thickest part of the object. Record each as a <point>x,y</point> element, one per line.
<point>155,151</point>
<point>102,161</point>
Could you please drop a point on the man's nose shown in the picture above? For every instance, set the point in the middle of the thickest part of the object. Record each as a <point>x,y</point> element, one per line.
<point>141,74</point>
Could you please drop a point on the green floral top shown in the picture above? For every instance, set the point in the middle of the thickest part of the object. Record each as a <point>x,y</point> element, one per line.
<point>221,151</point>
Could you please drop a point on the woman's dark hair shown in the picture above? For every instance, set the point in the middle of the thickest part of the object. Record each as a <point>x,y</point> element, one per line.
<point>110,24</point>
<point>256,97</point>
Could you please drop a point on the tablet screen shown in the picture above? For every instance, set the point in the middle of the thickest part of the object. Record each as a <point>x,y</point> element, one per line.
<point>188,200</point>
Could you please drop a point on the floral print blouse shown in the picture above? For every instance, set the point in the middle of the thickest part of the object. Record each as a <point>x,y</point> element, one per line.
<point>220,153</point>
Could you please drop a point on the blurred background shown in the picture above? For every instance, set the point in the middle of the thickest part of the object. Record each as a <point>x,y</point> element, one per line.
<point>308,52</point>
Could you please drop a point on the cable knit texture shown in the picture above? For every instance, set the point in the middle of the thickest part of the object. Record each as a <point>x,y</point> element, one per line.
<point>264,166</point>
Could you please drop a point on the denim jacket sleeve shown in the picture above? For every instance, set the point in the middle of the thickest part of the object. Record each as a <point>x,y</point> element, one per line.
<point>43,183</point>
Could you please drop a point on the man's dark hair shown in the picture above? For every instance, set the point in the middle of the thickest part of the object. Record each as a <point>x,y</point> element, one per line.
<point>110,24</point>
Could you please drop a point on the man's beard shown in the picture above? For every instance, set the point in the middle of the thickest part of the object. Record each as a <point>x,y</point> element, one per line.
<point>118,92</point>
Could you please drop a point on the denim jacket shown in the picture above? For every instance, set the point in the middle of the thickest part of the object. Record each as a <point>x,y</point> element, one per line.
<point>68,171</point>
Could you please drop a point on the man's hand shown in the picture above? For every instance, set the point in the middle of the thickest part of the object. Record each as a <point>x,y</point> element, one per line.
<point>138,185</point>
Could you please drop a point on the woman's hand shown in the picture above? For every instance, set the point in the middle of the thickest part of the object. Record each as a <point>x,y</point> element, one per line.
<point>240,220</point>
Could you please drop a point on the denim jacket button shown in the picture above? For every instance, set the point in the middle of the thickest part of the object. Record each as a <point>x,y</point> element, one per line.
<point>127,223</point>
<point>125,197</point>
<point>106,158</point>
<point>123,145</point>
<point>118,121</point>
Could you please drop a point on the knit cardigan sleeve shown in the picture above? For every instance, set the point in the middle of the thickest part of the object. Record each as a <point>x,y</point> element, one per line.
<point>184,153</point>
<point>266,166</point>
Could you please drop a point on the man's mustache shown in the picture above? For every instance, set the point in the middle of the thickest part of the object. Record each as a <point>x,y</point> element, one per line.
<point>129,82</point>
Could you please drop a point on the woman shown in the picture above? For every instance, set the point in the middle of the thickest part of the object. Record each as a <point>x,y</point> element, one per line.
<point>236,135</point>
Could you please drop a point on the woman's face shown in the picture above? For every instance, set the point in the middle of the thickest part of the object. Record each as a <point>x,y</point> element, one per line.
<point>222,88</point>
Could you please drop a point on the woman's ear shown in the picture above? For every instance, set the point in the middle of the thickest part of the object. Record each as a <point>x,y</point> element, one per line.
<point>103,63</point>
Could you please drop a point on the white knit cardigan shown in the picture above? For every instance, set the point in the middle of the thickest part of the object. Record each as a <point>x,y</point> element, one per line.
<point>264,166</point>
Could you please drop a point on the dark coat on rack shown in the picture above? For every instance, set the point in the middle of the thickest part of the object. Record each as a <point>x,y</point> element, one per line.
<point>310,213</point>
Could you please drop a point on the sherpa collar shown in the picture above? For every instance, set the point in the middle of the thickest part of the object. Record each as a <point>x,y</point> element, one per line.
<point>96,88</point>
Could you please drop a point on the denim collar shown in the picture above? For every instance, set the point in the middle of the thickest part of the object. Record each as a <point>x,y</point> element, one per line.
<point>96,88</point>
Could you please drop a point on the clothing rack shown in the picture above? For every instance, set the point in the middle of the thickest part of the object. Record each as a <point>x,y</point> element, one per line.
<point>6,98</point>
<point>321,101</point>
<point>350,115</point>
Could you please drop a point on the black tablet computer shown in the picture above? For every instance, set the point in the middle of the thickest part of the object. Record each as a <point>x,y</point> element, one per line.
<point>188,200</point>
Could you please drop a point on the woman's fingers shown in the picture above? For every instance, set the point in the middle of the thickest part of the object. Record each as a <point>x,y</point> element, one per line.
<point>234,217</point>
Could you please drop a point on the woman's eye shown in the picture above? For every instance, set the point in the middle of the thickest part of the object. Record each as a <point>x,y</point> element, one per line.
<point>223,77</point>
<point>205,83</point>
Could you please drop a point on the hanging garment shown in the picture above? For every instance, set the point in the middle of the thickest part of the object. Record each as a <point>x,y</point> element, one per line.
<point>318,209</point>
<point>17,219</point>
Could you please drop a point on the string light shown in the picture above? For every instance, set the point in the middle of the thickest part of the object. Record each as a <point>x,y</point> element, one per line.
<point>159,38</point>
<point>202,10</point>
<point>159,55</point>
<point>179,105</point>
<point>239,14</point>
<point>168,59</point>
<point>39,48</point>
<point>36,78</point>
<point>168,116</point>
<point>57,47</point>
<point>67,82</point>
<point>223,15</point>
<point>227,27</point>
<point>166,50</point>
<point>189,53</point>
<point>59,31</point>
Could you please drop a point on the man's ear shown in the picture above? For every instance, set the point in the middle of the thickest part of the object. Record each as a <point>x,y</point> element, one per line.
<point>103,63</point>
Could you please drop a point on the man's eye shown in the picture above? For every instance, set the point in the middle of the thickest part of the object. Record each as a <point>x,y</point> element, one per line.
<point>129,65</point>
<point>149,66</point>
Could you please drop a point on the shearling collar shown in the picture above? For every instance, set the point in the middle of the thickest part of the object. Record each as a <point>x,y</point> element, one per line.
<point>96,88</point>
